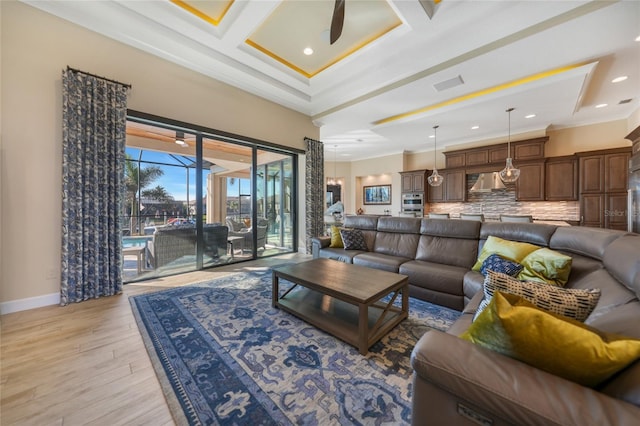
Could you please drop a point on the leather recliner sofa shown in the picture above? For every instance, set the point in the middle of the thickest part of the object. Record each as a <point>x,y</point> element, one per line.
<point>457,382</point>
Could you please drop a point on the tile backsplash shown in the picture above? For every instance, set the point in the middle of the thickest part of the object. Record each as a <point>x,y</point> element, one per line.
<point>493,204</point>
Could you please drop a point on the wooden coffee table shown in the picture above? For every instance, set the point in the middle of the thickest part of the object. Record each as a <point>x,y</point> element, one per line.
<point>343,299</point>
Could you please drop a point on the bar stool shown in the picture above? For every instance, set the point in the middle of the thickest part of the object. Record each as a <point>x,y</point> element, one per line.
<point>516,218</point>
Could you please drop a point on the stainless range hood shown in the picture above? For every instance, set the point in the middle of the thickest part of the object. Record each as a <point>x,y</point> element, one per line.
<point>488,182</point>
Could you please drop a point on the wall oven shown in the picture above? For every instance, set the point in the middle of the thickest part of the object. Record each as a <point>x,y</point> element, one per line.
<point>413,202</point>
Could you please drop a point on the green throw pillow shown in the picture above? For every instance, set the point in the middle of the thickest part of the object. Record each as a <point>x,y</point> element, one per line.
<point>547,266</point>
<point>336,239</point>
<point>561,346</point>
<point>512,250</point>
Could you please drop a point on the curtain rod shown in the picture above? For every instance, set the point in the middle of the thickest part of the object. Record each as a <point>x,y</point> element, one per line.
<point>99,76</point>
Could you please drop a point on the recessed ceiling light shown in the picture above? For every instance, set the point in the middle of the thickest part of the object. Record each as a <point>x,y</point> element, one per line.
<point>308,51</point>
<point>638,38</point>
<point>619,79</point>
<point>475,127</point>
<point>529,116</point>
<point>601,105</point>
<point>432,136</point>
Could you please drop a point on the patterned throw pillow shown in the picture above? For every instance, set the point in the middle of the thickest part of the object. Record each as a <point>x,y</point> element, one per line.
<point>353,239</point>
<point>499,264</point>
<point>569,302</point>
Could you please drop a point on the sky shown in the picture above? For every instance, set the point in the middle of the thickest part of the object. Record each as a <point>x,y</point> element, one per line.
<point>174,179</point>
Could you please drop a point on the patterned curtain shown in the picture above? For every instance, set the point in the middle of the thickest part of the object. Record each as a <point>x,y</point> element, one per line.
<point>93,136</point>
<point>315,190</point>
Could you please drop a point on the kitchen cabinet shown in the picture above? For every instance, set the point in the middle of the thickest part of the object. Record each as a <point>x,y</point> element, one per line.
<point>616,167</point>
<point>615,212</point>
<point>436,194</point>
<point>530,184</point>
<point>603,188</point>
<point>453,189</point>
<point>455,183</point>
<point>592,174</point>
<point>592,210</point>
<point>532,149</point>
<point>529,149</point>
<point>561,178</point>
<point>413,181</point>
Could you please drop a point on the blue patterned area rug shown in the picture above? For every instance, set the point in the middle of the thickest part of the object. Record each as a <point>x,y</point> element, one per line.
<point>224,356</point>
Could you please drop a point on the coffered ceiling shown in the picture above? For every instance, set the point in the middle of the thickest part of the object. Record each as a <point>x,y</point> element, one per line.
<point>400,66</point>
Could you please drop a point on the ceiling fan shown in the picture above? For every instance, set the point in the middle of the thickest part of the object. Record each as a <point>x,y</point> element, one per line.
<point>337,21</point>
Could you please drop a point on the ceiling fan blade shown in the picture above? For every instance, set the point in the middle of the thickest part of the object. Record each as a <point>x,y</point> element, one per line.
<point>337,21</point>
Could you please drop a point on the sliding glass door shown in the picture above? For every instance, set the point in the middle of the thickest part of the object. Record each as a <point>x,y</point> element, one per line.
<point>195,200</point>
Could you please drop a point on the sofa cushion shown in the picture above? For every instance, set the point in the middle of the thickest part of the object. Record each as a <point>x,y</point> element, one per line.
<point>472,284</point>
<point>336,239</point>
<point>459,229</point>
<point>361,222</point>
<point>572,303</point>
<point>449,251</point>
<point>512,250</point>
<point>339,254</point>
<point>567,348</point>
<point>622,261</point>
<point>380,261</point>
<point>353,239</point>
<point>435,276</point>
<point>613,296</point>
<point>533,233</point>
<point>586,241</point>
<point>396,244</point>
<point>499,264</point>
<point>547,266</point>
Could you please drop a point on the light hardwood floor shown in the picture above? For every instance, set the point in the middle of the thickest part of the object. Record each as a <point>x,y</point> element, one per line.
<point>85,364</point>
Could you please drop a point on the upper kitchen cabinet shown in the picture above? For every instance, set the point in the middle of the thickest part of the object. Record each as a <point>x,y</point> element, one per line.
<point>604,171</point>
<point>530,149</point>
<point>530,184</point>
<point>592,174</point>
<point>456,185</point>
<point>413,181</point>
<point>453,189</point>
<point>561,178</point>
<point>617,171</point>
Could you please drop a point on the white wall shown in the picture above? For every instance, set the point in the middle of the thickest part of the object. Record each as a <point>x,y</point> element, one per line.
<point>35,48</point>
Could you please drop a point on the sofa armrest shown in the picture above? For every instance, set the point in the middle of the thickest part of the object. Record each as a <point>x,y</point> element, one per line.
<point>318,243</point>
<point>506,390</point>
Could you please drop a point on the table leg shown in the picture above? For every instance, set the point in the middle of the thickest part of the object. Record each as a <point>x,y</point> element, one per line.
<point>274,289</point>
<point>363,329</point>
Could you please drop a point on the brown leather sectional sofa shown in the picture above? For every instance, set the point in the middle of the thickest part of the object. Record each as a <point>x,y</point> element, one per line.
<point>457,382</point>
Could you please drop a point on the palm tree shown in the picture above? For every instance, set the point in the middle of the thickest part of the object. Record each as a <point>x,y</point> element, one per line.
<point>137,178</point>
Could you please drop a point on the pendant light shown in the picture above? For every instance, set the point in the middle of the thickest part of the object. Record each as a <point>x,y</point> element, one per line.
<point>509,174</point>
<point>435,179</point>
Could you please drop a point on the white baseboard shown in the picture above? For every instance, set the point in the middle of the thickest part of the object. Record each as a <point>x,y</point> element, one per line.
<point>29,303</point>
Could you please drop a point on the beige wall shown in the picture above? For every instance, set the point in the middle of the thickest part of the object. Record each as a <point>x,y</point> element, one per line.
<point>633,121</point>
<point>35,48</point>
<point>375,171</point>
<point>587,138</point>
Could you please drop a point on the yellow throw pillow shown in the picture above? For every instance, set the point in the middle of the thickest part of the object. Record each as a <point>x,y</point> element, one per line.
<point>561,346</point>
<point>336,239</point>
<point>546,266</point>
<point>512,250</point>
